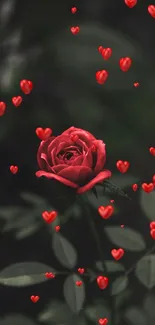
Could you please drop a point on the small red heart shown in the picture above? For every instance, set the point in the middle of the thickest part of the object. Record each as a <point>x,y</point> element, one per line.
<point>78,283</point>
<point>112,201</point>
<point>136,84</point>
<point>148,187</point>
<point>80,270</point>
<point>117,253</point>
<point>101,76</point>
<point>152,151</point>
<point>49,216</point>
<point>152,233</point>
<point>57,228</point>
<point>49,275</point>
<point>106,53</point>
<point>130,3</point>
<point>106,212</point>
<point>17,100</point>
<point>103,321</point>
<point>73,10</point>
<point>125,64</point>
<point>151,10</point>
<point>2,108</point>
<point>13,169</point>
<point>26,86</point>
<point>35,298</point>
<point>43,134</point>
<point>75,30</point>
<point>134,187</point>
<point>122,166</point>
<point>100,49</point>
<point>102,281</point>
<point>122,226</point>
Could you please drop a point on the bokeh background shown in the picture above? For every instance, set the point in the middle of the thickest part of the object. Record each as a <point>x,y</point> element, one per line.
<point>36,44</point>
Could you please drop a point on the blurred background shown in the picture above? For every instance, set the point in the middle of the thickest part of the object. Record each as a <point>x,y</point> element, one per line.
<point>36,44</point>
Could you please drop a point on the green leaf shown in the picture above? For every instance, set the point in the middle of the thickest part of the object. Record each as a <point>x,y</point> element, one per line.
<point>111,189</point>
<point>33,199</point>
<point>111,266</point>
<point>123,181</point>
<point>98,310</point>
<point>119,285</point>
<point>149,307</point>
<point>145,271</point>
<point>126,238</point>
<point>74,295</point>
<point>64,251</point>
<point>24,274</point>
<point>136,316</point>
<point>26,232</point>
<point>147,201</point>
<point>15,319</point>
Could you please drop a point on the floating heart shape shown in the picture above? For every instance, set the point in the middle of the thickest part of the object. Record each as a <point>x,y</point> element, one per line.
<point>148,187</point>
<point>130,3</point>
<point>80,270</point>
<point>106,212</point>
<point>152,225</point>
<point>78,283</point>
<point>152,233</point>
<point>2,108</point>
<point>43,134</point>
<point>49,216</point>
<point>73,10</point>
<point>136,84</point>
<point>49,275</point>
<point>101,76</point>
<point>117,253</point>
<point>151,10</point>
<point>26,86</point>
<point>75,30</point>
<point>100,49</point>
<point>17,100</point>
<point>57,228</point>
<point>103,321</point>
<point>13,169</point>
<point>125,64</point>
<point>122,166</point>
<point>102,281</point>
<point>106,53</point>
<point>134,187</point>
<point>35,298</point>
<point>152,151</point>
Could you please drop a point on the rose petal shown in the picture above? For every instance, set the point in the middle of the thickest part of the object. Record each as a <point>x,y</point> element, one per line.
<point>100,154</point>
<point>43,149</point>
<point>79,174</point>
<point>60,179</point>
<point>98,179</point>
<point>84,135</point>
<point>46,166</point>
<point>56,169</point>
<point>88,159</point>
<point>58,140</point>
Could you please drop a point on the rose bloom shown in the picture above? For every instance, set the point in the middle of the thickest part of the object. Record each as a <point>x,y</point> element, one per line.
<point>75,158</point>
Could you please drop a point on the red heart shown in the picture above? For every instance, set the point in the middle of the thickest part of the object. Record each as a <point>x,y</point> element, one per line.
<point>106,212</point>
<point>81,271</point>
<point>122,166</point>
<point>152,151</point>
<point>136,84</point>
<point>125,64</point>
<point>152,233</point>
<point>35,298</point>
<point>13,169</point>
<point>73,10</point>
<point>49,216</point>
<point>117,253</point>
<point>151,10</point>
<point>78,283</point>
<point>26,86</point>
<point>57,228</point>
<point>102,281</point>
<point>130,3</point>
<point>134,187</point>
<point>75,30</point>
<point>106,53</point>
<point>148,187</point>
<point>101,76</point>
<point>103,321</point>
<point>152,225</point>
<point>100,49</point>
<point>17,100</point>
<point>49,275</point>
<point>2,108</point>
<point>43,134</point>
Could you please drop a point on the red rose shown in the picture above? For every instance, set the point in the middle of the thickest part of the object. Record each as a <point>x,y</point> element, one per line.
<point>75,158</point>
